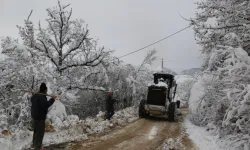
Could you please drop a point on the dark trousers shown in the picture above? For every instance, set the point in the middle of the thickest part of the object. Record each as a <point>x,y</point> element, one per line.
<point>110,113</point>
<point>39,128</point>
<point>178,103</point>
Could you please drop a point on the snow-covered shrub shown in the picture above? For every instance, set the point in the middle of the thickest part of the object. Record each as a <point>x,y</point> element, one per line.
<point>201,100</point>
<point>223,99</point>
<point>222,30</point>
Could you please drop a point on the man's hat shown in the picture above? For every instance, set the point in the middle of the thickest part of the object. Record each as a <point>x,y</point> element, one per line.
<point>43,87</point>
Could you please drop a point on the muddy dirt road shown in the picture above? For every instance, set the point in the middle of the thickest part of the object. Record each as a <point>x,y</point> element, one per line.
<point>143,134</point>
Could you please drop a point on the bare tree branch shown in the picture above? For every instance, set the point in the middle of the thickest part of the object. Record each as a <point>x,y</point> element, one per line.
<point>87,63</point>
<point>88,88</point>
<point>54,33</point>
<point>47,52</point>
<point>29,15</point>
<point>78,46</point>
<point>53,44</point>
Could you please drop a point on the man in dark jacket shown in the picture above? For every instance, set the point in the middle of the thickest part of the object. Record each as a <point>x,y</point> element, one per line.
<point>110,105</point>
<point>39,109</point>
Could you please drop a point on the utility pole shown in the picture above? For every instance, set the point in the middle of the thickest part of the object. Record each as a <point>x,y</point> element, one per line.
<point>162,65</point>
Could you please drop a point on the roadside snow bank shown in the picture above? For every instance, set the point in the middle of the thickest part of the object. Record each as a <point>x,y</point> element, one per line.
<point>71,129</point>
<point>57,113</point>
<point>122,117</point>
<point>125,116</point>
<point>203,139</point>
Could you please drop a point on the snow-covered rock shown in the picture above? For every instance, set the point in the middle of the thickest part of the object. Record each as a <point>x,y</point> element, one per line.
<point>73,118</point>
<point>100,116</point>
<point>57,113</point>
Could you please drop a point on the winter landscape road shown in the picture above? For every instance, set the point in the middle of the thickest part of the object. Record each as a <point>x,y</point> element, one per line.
<point>143,134</point>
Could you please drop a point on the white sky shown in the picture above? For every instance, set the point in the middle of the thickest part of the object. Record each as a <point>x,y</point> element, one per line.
<point>121,25</point>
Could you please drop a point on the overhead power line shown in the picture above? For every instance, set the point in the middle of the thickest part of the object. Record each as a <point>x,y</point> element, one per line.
<point>156,41</point>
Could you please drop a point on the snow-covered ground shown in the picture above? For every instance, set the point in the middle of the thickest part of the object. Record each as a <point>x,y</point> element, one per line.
<point>152,133</point>
<point>200,136</point>
<point>206,139</point>
<point>203,139</point>
<point>72,129</point>
<point>172,144</point>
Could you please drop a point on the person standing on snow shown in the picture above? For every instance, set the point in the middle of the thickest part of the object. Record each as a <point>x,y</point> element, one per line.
<point>110,105</point>
<point>39,110</point>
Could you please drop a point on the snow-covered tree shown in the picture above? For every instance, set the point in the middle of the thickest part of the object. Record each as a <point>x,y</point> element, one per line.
<point>65,42</point>
<point>148,60</point>
<point>62,54</point>
<point>19,71</point>
<point>222,29</point>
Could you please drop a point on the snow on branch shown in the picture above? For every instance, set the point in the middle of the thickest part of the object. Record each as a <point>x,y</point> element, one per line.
<point>222,30</point>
